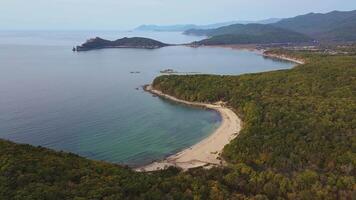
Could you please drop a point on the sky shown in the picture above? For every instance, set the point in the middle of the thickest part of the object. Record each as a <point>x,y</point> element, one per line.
<point>127,14</point>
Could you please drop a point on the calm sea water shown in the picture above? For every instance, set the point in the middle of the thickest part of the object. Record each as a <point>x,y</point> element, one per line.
<point>87,102</point>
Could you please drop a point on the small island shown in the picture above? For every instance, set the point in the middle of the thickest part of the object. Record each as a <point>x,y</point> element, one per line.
<point>134,42</point>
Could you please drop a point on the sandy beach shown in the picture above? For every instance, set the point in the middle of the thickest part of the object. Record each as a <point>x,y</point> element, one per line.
<point>253,48</point>
<point>263,53</point>
<point>284,57</point>
<point>207,152</point>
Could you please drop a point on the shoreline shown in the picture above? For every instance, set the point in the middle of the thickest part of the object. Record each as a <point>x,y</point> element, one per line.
<point>249,47</point>
<point>253,48</point>
<point>284,57</point>
<point>262,52</point>
<point>201,154</point>
<point>205,153</point>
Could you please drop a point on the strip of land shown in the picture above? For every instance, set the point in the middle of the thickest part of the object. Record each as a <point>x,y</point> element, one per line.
<point>263,52</point>
<point>283,57</point>
<point>207,152</point>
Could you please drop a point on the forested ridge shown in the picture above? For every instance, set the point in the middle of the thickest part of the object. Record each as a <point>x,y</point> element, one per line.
<point>333,26</point>
<point>298,122</point>
<point>298,142</point>
<point>134,42</point>
<point>248,34</point>
<point>336,26</point>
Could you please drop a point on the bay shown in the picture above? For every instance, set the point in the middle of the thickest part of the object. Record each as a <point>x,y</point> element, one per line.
<point>88,103</point>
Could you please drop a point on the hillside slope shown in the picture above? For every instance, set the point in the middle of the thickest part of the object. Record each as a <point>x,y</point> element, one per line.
<point>298,142</point>
<point>238,29</point>
<point>334,26</point>
<point>135,42</point>
<point>249,34</point>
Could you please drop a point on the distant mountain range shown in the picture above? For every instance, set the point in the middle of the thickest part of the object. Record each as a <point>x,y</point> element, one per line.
<point>135,42</point>
<point>184,27</point>
<point>249,34</point>
<point>332,26</point>
<point>335,26</point>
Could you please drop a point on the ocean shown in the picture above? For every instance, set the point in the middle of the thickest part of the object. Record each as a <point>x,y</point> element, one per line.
<point>89,103</point>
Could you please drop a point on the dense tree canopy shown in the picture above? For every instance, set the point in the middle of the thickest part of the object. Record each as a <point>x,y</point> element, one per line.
<point>298,142</point>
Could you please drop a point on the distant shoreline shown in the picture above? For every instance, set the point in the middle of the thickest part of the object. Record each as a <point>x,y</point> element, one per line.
<point>252,47</point>
<point>207,152</point>
<point>284,57</point>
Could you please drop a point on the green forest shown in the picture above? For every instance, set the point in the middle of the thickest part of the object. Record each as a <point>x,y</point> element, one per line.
<point>336,26</point>
<point>249,34</point>
<point>266,38</point>
<point>298,142</point>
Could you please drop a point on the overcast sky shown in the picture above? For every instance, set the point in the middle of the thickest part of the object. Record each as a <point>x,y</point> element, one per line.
<point>126,14</point>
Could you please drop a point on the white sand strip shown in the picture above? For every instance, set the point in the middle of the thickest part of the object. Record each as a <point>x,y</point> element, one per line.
<point>284,57</point>
<point>207,152</point>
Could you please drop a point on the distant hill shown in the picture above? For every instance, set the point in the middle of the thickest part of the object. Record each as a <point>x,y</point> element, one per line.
<point>338,26</point>
<point>249,34</point>
<point>332,26</point>
<point>180,27</point>
<point>135,42</point>
<point>184,27</point>
<point>344,32</point>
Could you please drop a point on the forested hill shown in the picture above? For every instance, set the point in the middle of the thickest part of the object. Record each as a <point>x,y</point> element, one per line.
<point>336,26</point>
<point>249,34</point>
<point>333,26</point>
<point>299,125</point>
<point>238,29</point>
<point>135,42</point>
<point>298,142</point>
<point>268,38</point>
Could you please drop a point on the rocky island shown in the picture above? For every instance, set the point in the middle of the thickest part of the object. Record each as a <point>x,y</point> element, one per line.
<point>134,42</point>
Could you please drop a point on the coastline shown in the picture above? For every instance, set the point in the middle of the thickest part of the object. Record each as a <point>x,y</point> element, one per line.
<point>207,152</point>
<point>249,47</point>
<point>253,48</point>
<point>283,57</point>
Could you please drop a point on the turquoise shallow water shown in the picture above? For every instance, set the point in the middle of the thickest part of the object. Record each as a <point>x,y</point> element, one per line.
<point>87,103</point>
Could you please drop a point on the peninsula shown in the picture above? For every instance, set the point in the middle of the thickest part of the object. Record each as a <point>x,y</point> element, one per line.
<point>296,142</point>
<point>134,42</point>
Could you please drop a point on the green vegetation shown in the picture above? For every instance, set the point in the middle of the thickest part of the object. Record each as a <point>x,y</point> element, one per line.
<point>333,26</point>
<point>135,42</point>
<point>296,122</point>
<point>249,34</point>
<point>241,29</point>
<point>298,142</point>
<point>254,39</point>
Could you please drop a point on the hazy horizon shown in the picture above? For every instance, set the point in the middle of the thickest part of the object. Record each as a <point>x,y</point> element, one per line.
<point>125,15</point>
